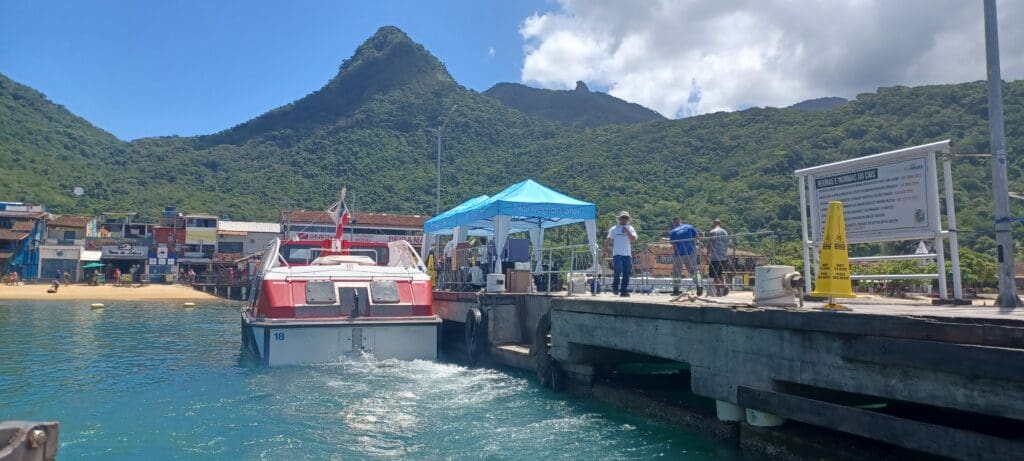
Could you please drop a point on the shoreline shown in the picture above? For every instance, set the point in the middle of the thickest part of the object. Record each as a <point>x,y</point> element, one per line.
<point>82,292</point>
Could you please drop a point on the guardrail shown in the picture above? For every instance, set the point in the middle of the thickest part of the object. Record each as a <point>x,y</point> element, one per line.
<point>581,268</point>
<point>660,266</point>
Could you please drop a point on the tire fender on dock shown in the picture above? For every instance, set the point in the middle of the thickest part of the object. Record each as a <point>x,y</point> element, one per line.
<point>548,372</point>
<point>475,335</point>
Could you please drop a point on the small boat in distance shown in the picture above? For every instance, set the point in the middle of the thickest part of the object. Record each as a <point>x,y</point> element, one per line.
<point>315,301</point>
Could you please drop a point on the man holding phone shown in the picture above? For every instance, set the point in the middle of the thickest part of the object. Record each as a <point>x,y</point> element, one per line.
<point>620,239</point>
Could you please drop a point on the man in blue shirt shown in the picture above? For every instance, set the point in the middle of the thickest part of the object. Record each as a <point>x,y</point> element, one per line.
<point>684,238</point>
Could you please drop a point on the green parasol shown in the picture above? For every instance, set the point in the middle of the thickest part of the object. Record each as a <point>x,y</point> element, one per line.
<point>92,265</point>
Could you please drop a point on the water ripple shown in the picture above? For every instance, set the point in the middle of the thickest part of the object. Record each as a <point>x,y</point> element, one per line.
<point>154,381</point>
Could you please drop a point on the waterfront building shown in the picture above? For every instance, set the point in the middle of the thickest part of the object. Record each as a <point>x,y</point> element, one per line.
<point>169,243</point>
<point>364,227</point>
<point>236,239</point>
<point>64,247</point>
<point>124,240</point>
<point>22,230</point>
<point>200,241</point>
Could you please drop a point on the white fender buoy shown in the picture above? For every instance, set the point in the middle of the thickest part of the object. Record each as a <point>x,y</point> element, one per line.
<point>96,306</point>
<point>189,305</point>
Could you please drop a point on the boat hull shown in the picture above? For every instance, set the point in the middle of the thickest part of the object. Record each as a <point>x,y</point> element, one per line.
<point>294,341</point>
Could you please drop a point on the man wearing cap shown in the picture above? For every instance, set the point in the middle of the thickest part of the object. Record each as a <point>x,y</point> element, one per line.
<point>718,257</point>
<point>620,239</point>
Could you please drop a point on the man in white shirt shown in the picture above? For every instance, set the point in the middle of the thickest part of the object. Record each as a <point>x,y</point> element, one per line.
<point>620,239</point>
<point>449,248</point>
<point>476,276</point>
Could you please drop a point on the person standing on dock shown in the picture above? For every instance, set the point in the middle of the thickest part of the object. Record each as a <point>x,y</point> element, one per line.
<point>684,238</point>
<point>718,257</point>
<point>620,239</point>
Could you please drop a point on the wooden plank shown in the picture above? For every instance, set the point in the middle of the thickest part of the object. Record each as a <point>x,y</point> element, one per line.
<point>976,361</point>
<point>916,435</point>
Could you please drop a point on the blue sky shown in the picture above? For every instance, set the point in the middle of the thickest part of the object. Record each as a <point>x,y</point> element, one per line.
<point>163,67</point>
<point>154,68</point>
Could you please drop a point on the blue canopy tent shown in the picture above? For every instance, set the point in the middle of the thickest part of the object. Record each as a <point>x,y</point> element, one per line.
<point>525,206</point>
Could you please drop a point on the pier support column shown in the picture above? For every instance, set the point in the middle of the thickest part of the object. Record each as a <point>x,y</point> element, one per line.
<point>763,419</point>
<point>728,411</point>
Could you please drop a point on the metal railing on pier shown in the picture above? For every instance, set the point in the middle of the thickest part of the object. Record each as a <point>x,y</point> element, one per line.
<point>712,265</point>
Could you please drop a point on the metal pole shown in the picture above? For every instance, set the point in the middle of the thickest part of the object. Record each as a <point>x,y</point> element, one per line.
<point>997,141</point>
<point>803,233</point>
<point>438,210</point>
<point>954,245</point>
<point>439,129</point>
<point>932,183</point>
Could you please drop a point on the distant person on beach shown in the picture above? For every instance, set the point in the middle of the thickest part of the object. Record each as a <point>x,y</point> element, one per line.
<point>191,275</point>
<point>67,278</point>
<point>58,275</point>
<point>620,239</point>
<point>718,257</point>
<point>117,276</point>
<point>684,239</point>
<point>95,279</point>
<point>55,286</point>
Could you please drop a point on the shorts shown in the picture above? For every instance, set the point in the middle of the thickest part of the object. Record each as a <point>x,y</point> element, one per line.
<point>716,269</point>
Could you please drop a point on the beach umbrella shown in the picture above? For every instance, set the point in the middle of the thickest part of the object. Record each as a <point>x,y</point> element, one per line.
<point>92,265</point>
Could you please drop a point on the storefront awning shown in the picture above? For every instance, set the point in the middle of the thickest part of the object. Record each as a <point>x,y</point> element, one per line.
<point>91,255</point>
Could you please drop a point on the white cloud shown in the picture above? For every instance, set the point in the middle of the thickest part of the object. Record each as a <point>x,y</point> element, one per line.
<point>686,57</point>
<point>490,52</point>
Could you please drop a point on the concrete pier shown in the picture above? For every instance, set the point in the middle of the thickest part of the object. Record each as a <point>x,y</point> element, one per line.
<point>901,374</point>
<point>946,381</point>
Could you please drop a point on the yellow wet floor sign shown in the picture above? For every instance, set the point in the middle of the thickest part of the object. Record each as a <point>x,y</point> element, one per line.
<point>430,269</point>
<point>833,277</point>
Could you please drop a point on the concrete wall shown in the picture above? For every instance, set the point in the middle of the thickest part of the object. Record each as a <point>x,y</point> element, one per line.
<point>723,357</point>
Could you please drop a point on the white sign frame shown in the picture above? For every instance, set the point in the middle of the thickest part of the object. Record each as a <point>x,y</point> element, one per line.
<point>810,217</point>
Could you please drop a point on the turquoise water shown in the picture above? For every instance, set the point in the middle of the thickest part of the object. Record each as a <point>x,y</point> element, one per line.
<point>155,381</point>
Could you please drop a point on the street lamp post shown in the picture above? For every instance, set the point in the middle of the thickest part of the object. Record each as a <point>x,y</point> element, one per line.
<point>997,141</point>
<point>438,131</point>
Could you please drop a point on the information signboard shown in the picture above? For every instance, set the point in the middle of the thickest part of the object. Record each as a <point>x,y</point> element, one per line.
<point>884,199</point>
<point>891,196</point>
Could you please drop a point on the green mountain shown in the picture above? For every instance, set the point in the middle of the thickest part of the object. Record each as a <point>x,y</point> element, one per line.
<point>579,107</point>
<point>814,105</point>
<point>370,128</point>
<point>46,151</point>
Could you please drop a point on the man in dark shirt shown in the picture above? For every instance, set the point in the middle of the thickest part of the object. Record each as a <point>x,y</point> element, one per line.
<point>684,238</point>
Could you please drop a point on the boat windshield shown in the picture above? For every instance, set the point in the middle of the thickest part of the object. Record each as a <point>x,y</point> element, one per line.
<point>300,254</point>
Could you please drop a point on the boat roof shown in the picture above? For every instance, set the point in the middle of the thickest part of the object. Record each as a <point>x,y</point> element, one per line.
<point>334,260</point>
<point>342,271</point>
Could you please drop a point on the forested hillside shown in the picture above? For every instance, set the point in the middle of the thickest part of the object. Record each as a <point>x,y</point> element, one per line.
<point>369,128</point>
<point>579,107</point>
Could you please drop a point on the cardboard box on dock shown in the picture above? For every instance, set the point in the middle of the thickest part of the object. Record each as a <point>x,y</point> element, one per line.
<point>517,281</point>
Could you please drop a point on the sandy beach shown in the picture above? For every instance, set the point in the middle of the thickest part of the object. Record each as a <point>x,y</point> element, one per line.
<point>37,292</point>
